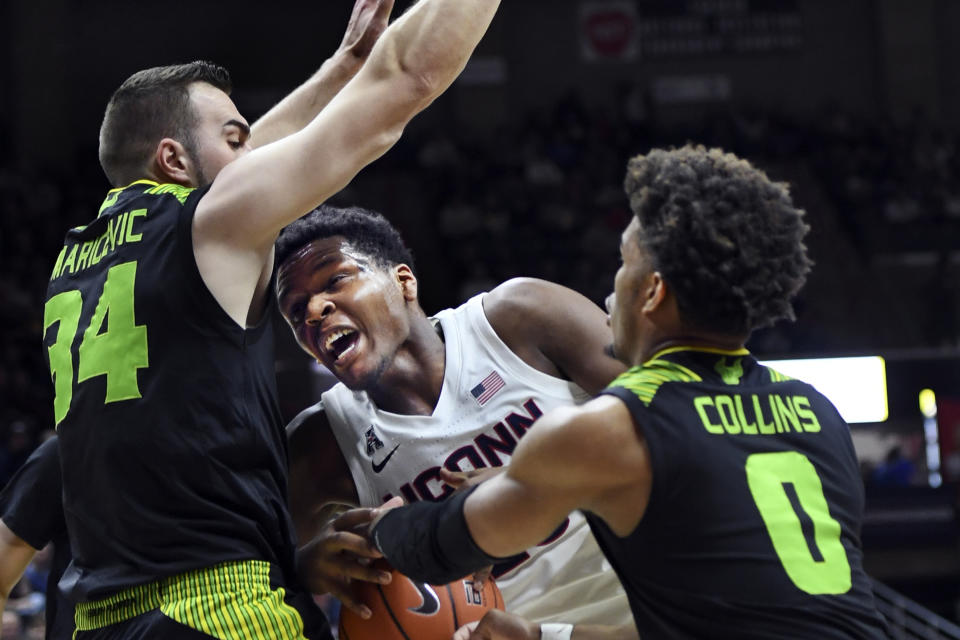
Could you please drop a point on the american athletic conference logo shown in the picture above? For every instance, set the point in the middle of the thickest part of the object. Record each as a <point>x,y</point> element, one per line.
<point>374,443</point>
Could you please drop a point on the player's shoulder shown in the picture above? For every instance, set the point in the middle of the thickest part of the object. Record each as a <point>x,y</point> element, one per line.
<point>145,193</point>
<point>529,300</point>
<point>646,380</point>
<point>307,423</point>
<point>522,292</point>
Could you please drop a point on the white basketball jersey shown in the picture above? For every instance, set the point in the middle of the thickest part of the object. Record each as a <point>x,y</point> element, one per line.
<point>490,398</point>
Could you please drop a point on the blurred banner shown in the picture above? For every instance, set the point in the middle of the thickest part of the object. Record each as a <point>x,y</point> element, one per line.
<point>608,30</point>
<point>689,28</point>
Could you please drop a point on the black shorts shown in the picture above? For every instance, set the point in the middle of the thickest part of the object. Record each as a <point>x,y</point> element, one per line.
<point>153,625</point>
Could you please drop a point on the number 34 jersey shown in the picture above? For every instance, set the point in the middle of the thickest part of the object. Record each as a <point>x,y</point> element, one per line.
<point>753,524</point>
<point>172,444</point>
<point>489,399</point>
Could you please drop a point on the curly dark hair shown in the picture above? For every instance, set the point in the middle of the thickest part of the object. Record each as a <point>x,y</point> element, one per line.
<point>150,105</point>
<point>727,240</point>
<point>368,232</point>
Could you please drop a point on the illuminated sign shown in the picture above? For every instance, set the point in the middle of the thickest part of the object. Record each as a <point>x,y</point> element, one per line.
<point>856,386</point>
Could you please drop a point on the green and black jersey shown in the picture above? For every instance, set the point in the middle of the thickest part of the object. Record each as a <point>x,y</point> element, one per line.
<point>30,506</point>
<point>172,443</point>
<point>752,529</point>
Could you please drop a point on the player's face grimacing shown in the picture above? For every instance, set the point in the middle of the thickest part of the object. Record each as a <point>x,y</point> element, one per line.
<point>344,311</point>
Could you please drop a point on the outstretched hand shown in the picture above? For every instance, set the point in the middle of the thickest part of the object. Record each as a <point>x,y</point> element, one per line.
<point>339,555</point>
<point>368,21</point>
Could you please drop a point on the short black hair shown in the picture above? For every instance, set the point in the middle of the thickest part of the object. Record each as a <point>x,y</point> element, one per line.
<point>150,105</point>
<point>367,231</point>
<point>727,240</point>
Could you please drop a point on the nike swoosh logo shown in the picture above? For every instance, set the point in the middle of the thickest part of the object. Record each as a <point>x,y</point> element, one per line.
<point>377,468</point>
<point>430,602</point>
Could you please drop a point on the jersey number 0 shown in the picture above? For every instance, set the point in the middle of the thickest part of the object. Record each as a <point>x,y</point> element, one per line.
<point>768,475</point>
<point>113,344</point>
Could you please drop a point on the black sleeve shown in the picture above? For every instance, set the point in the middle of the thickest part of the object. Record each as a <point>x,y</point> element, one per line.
<point>430,542</point>
<point>31,504</point>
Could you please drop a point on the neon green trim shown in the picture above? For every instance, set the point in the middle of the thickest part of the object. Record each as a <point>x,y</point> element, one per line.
<point>723,352</point>
<point>178,191</point>
<point>645,380</point>
<point>113,194</point>
<point>133,183</point>
<point>776,376</point>
<point>229,601</point>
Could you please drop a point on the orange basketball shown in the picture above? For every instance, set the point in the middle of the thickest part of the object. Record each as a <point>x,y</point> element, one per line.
<point>409,610</point>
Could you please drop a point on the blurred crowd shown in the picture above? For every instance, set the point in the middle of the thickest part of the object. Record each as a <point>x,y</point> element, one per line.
<point>542,196</point>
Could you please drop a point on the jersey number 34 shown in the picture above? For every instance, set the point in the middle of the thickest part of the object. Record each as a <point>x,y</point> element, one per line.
<point>113,344</point>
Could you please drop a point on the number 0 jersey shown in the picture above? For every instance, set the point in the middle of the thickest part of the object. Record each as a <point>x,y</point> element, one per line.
<point>172,444</point>
<point>752,528</point>
<point>489,398</point>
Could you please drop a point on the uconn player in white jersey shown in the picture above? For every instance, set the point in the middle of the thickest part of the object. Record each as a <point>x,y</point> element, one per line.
<point>420,398</point>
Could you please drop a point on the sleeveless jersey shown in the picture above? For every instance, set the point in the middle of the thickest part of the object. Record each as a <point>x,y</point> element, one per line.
<point>753,524</point>
<point>31,507</point>
<point>172,444</point>
<point>490,398</point>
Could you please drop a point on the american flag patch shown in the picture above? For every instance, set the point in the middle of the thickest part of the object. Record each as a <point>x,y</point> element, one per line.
<point>487,388</point>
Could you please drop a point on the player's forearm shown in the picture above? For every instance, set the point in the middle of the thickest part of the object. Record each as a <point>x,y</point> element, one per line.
<point>15,555</point>
<point>414,60</point>
<point>299,107</point>
<point>433,40</point>
<point>429,541</point>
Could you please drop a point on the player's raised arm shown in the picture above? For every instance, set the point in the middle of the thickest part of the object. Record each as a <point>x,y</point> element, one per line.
<point>368,20</point>
<point>414,61</point>
<point>589,458</point>
<point>555,329</point>
<point>255,196</point>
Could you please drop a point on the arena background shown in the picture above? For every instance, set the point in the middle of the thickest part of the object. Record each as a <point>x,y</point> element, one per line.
<point>517,170</point>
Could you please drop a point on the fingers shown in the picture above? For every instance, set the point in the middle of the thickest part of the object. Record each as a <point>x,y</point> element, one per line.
<point>383,11</point>
<point>481,576</point>
<point>500,625</point>
<point>466,631</point>
<point>368,20</point>
<point>453,478</point>
<point>354,519</point>
<point>350,602</point>
<point>392,503</point>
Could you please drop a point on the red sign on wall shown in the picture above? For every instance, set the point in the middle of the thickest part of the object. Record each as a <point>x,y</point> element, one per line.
<point>608,30</point>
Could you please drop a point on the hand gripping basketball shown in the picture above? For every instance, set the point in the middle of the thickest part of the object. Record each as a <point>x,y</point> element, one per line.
<point>408,610</point>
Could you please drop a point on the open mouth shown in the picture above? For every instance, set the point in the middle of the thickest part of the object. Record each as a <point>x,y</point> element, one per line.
<point>340,343</point>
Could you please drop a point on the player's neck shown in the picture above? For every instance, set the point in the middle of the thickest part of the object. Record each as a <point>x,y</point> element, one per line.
<point>414,380</point>
<point>693,340</point>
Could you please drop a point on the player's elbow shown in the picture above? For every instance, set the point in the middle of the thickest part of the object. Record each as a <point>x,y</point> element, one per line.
<point>406,96</point>
<point>412,76</point>
<point>417,88</point>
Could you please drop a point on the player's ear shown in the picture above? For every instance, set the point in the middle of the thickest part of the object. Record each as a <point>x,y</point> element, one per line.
<point>407,281</point>
<point>173,163</point>
<point>655,292</point>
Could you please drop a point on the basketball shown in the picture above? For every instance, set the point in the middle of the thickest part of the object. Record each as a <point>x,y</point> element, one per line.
<point>409,610</point>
